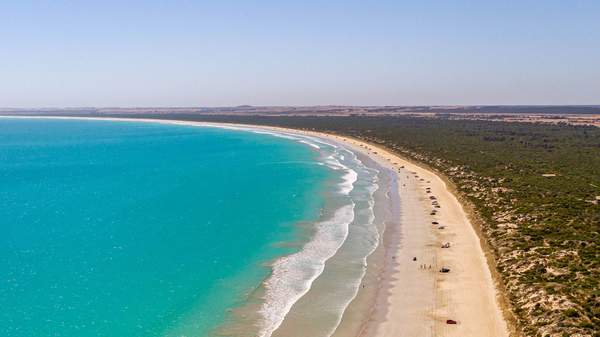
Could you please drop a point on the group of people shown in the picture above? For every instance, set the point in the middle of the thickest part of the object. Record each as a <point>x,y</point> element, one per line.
<point>422,266</point>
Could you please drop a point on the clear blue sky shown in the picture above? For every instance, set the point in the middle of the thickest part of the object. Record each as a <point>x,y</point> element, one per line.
<point>219,53</point>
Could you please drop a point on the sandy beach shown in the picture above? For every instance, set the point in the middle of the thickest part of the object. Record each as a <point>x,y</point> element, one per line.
<point>416,298</point>
<point>413,296</point>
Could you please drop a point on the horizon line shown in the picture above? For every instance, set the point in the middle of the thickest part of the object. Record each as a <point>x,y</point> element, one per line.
<point>296,106</point>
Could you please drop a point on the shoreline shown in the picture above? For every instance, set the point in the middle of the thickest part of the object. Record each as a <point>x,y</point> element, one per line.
<point>467,294</point>
<point>409,300</point>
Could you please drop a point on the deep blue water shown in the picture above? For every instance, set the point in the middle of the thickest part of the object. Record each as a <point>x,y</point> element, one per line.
<point>141,229</point>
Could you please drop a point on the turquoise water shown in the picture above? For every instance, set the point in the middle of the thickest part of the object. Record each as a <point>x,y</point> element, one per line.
<point>141,229</point>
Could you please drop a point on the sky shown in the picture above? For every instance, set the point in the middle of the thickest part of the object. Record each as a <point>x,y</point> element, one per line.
<point>233,52</point>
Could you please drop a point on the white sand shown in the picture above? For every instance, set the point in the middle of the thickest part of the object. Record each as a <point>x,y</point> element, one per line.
<point>419,301</point>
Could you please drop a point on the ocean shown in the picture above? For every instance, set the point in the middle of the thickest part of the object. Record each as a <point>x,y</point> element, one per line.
<point>130,228</point>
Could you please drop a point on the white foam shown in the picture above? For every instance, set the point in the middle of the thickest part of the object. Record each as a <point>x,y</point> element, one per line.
<point>310,141</point>
<point>282,287</point>
<point>310,144</point>
<point>358,281</point>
